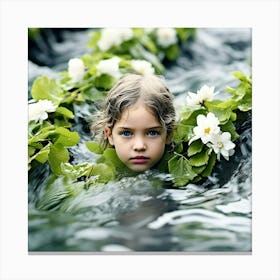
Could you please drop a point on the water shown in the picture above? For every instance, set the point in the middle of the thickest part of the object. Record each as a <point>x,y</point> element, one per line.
<point>145,213</point>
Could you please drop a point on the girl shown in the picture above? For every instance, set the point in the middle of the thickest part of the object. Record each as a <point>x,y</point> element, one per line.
<point>137,120</point>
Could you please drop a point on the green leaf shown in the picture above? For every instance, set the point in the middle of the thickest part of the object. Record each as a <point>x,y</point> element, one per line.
<point>110,158</point>
<point>229,127</point>
<point>182,132</point>
<point>195,147</point>
<point>41,135</point>
<point>233,116</point>
<point>77,171</point>
<point>211,163</point>
<point>33,127</point>
<point>242,94</point>
<point>66,137</point>
<point>58,154</point>
<point>185,33</point>
<point>219,104</point>
<point>222,110</point>
<point>104,172</point>
<point>200,158</point>
<point>62,123</point>
<point>150,45</point>
<point>162,165</point>
<point>240,76</point>
<point>94,38</point>
<point>181,170</point>
<point>104,81</point>
<point>189,116</point>
<point>172,52</point>
<point>93,94</point>
<point>179,147</point>
<point>198,169</point>
<point>246,104</point>
<point>94,147</point>
<point>42,155</point>
<point>31,150</point>
<point>64,112</point>
<point>45,88</point>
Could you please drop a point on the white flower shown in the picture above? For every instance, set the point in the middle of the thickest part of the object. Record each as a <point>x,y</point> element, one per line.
<point>143,67</point>
<point>207,126</point>
<point>39,111</point>
<point>222,145</point>
<point>109,67</point>
<point>205,93</point>
<point>76,69</point>
<point>114,37</point>
<point>193,99</point>
<point>166,37</point>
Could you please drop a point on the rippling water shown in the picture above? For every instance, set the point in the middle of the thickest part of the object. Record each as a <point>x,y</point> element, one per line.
<point>145,213</point>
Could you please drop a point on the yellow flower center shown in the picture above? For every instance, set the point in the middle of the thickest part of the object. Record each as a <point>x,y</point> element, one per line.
<point>220,145</point>
<point>207,130</point>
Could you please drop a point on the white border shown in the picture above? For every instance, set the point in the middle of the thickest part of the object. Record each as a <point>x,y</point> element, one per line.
<point>262,16</point>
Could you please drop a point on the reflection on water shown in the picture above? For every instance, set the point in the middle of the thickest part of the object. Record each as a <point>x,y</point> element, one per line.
<point>145,213</point>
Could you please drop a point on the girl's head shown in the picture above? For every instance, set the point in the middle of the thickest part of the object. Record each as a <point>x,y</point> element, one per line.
<point>138,119</point>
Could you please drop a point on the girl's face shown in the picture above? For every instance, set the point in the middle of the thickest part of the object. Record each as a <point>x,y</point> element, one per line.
<point>138,137</point>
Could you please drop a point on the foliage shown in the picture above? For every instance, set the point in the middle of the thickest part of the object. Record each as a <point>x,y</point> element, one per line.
<point>194,161</point>
<point>51,132</point>
<point>142,44</point>
<point>50,139</point>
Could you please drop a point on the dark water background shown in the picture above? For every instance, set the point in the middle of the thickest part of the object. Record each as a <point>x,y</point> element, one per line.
<point>145,213</point>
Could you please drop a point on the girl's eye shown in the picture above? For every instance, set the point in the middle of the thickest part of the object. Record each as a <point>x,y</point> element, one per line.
<point>126,133</point>
<point>153,133</point>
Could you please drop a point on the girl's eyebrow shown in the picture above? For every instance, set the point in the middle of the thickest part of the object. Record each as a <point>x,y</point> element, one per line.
<point>148,128</point>
<point>155,127</point>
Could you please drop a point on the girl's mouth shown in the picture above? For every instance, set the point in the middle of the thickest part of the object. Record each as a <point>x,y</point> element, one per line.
<point>139,159</point>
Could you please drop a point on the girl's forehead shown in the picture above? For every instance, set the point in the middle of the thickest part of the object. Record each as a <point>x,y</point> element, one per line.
<point>138,114</point>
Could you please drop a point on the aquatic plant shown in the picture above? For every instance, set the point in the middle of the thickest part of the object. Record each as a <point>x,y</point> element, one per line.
<point>206,127</point>
<point>207,131</point>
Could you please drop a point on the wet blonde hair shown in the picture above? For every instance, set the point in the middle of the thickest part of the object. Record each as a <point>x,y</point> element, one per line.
<point>151,89</point>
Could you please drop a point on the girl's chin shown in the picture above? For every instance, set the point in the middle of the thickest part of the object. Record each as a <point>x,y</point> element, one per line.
<point>139,168</point>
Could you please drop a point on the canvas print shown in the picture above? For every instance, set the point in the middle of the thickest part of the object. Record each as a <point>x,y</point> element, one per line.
<point>140,140</point>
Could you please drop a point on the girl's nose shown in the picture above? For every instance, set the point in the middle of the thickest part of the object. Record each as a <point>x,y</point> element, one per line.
<point>139,144</point>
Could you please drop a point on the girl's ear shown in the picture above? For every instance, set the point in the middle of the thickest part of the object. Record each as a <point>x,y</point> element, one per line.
<point>108,133</point>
